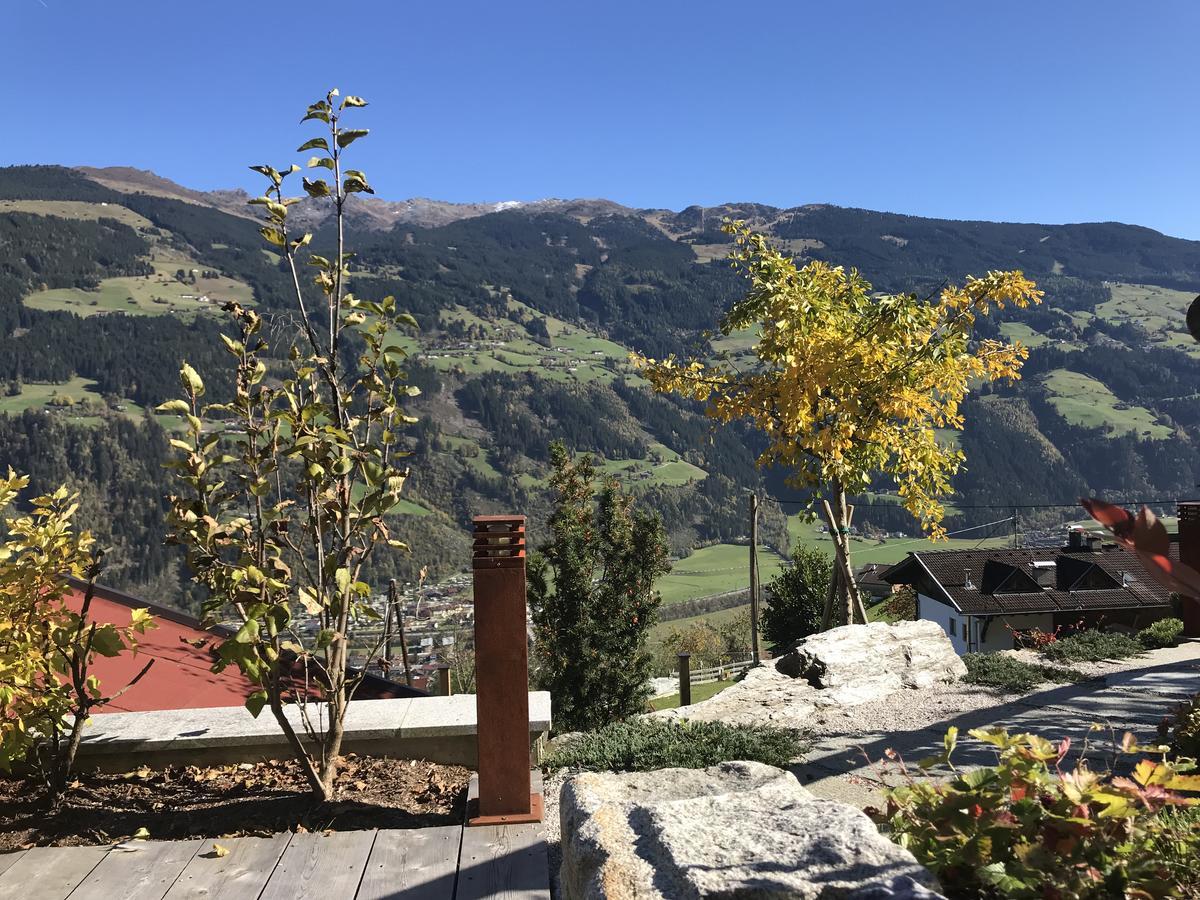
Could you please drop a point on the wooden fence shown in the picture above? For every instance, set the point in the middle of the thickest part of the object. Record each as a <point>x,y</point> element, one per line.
<point>720,673</point>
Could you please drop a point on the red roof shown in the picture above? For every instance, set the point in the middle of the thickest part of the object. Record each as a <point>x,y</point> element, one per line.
<point>182,676</point>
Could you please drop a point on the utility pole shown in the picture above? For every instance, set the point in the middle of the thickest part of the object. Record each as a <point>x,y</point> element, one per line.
<point>395,609</point>
<point>755,649</point>
<point>1016,530</point>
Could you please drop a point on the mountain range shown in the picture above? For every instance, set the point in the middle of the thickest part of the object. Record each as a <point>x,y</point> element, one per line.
<point>108,279</point>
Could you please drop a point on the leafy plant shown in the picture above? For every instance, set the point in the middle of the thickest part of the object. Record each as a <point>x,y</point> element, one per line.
<point>1092,645</point>
<point>641,745</point>
<point>999,670</point>
<point>1034,638</point>
<point>47,689</point>
<point>1163,633</point>
<point>1181,729</point>
<point>901,604</point>
<point>796,597</point>
<point>288,486</point>
<point>848,386</point>
<point>592,597</point>
<point>1025,828</point>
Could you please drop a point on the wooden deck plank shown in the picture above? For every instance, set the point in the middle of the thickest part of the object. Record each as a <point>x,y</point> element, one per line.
<point>8,859</point>
<point>412,864</point>
<point>144,873</point>
<point>49,873</point>
<point>507,861</point>
<point>320,866</point>
<point>241,875</point>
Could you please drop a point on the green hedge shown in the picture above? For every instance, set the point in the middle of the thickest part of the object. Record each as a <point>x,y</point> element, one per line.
<point>1163,633</point>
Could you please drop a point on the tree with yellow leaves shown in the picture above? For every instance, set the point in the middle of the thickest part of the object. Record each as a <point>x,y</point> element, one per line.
<point>848,385</point>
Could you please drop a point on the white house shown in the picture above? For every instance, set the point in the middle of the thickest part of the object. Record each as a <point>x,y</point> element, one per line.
<point>984,598</point>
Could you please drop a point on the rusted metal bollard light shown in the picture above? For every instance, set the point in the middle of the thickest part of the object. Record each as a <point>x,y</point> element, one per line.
<point>685,679</point>
<point>1189,555</point>
<point>502,674</point>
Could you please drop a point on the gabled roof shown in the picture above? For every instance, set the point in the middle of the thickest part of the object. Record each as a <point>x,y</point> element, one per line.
<point>182,650</point>
<point>998,581</point>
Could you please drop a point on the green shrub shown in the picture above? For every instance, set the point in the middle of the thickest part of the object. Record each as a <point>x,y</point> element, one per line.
<point>1163,633</point>
<point>1026,829</point>
<point>999,670</point>
<point>1092,646</point>
<point>640,745</point>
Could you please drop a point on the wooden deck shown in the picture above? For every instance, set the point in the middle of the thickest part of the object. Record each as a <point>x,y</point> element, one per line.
<point>446,863</point>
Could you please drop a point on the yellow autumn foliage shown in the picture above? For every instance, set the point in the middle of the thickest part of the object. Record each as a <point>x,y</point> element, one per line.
<point>847,384</point>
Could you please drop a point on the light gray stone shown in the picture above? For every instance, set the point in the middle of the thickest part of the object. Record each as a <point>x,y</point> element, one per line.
<point>877,658</point>
<point>843,667</point>
<point>739,829</point>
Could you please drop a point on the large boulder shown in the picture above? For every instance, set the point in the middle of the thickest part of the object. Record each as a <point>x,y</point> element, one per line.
<point>875,659</point>
<point>740,829</point>
<point>841,667</point>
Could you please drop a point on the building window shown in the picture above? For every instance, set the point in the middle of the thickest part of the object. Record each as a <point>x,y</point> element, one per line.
<point>952,627</point>
<point>964,629</point>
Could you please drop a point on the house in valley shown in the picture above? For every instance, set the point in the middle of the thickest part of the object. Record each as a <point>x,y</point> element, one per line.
<point>985,598</point>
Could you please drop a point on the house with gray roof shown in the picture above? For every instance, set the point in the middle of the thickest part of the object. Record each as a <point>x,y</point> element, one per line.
<point>985,598</point>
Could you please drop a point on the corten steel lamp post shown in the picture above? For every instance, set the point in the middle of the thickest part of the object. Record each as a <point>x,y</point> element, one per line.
<point>1189,555</point>
<point>502,674</point>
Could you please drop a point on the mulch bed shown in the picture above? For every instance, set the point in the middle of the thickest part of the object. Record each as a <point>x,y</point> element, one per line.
<point>224,801</point>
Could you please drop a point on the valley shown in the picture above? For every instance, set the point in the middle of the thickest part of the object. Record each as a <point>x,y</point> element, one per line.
<point>527,319</point>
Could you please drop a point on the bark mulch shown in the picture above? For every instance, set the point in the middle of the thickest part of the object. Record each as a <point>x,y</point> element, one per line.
<point>225,801</point>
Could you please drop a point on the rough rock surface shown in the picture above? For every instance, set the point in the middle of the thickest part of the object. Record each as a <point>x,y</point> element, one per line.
<point>739,829</point>
<point>842,667</point>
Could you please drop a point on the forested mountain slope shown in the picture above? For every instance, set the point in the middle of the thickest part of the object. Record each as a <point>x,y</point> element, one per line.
<point>527,315</point>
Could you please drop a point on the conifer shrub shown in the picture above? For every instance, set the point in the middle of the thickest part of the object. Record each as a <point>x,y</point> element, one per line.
<point>1092,646</point>
<point>1163,633</point>
<point>642,745</point>
<point>1001,671</point>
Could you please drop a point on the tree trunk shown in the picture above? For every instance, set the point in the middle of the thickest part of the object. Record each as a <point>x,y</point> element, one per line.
<point>838,515</point>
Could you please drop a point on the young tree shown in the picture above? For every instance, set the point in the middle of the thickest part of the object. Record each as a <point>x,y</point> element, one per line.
<point>288,486</point>
<point>796,598</point>
<point>592,597</point>
<point>849,386</point>
<point>47,689</point>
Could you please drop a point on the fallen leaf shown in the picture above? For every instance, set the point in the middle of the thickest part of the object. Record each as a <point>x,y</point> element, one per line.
<point>141,834</point>
<point>219,851</point>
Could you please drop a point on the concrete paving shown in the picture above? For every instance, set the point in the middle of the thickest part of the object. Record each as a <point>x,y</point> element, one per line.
<point>1095,715</point>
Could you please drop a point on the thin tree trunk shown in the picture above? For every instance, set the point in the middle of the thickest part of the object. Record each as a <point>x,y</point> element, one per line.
<point>838,515</point>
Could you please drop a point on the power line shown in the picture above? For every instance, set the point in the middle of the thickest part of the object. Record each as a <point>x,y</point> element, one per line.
<point>1072,504</point>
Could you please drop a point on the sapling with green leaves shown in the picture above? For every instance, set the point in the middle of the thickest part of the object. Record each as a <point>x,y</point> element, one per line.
<point>288,486</point>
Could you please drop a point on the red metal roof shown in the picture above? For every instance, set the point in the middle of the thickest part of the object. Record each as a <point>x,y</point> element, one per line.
<point>182,676</point>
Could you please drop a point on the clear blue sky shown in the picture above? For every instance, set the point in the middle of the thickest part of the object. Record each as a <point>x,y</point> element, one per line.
<point>1045,111</point>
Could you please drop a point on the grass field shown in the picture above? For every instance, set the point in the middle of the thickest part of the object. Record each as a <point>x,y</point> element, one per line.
<point>1082,400</point>
<point>716,570</point>
<point>699,692</point>
<point>1019,331</point>
<point>716,619</point>
<point>77,401</point>
<point>74,209</point>
<point>893,550</point>
<point>1160,311</point>
<point>575,354</point>
<point>152,295</point>
<point>662,467</point>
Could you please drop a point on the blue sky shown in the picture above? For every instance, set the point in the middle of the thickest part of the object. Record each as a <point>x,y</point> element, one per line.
<point>1051,111</point>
